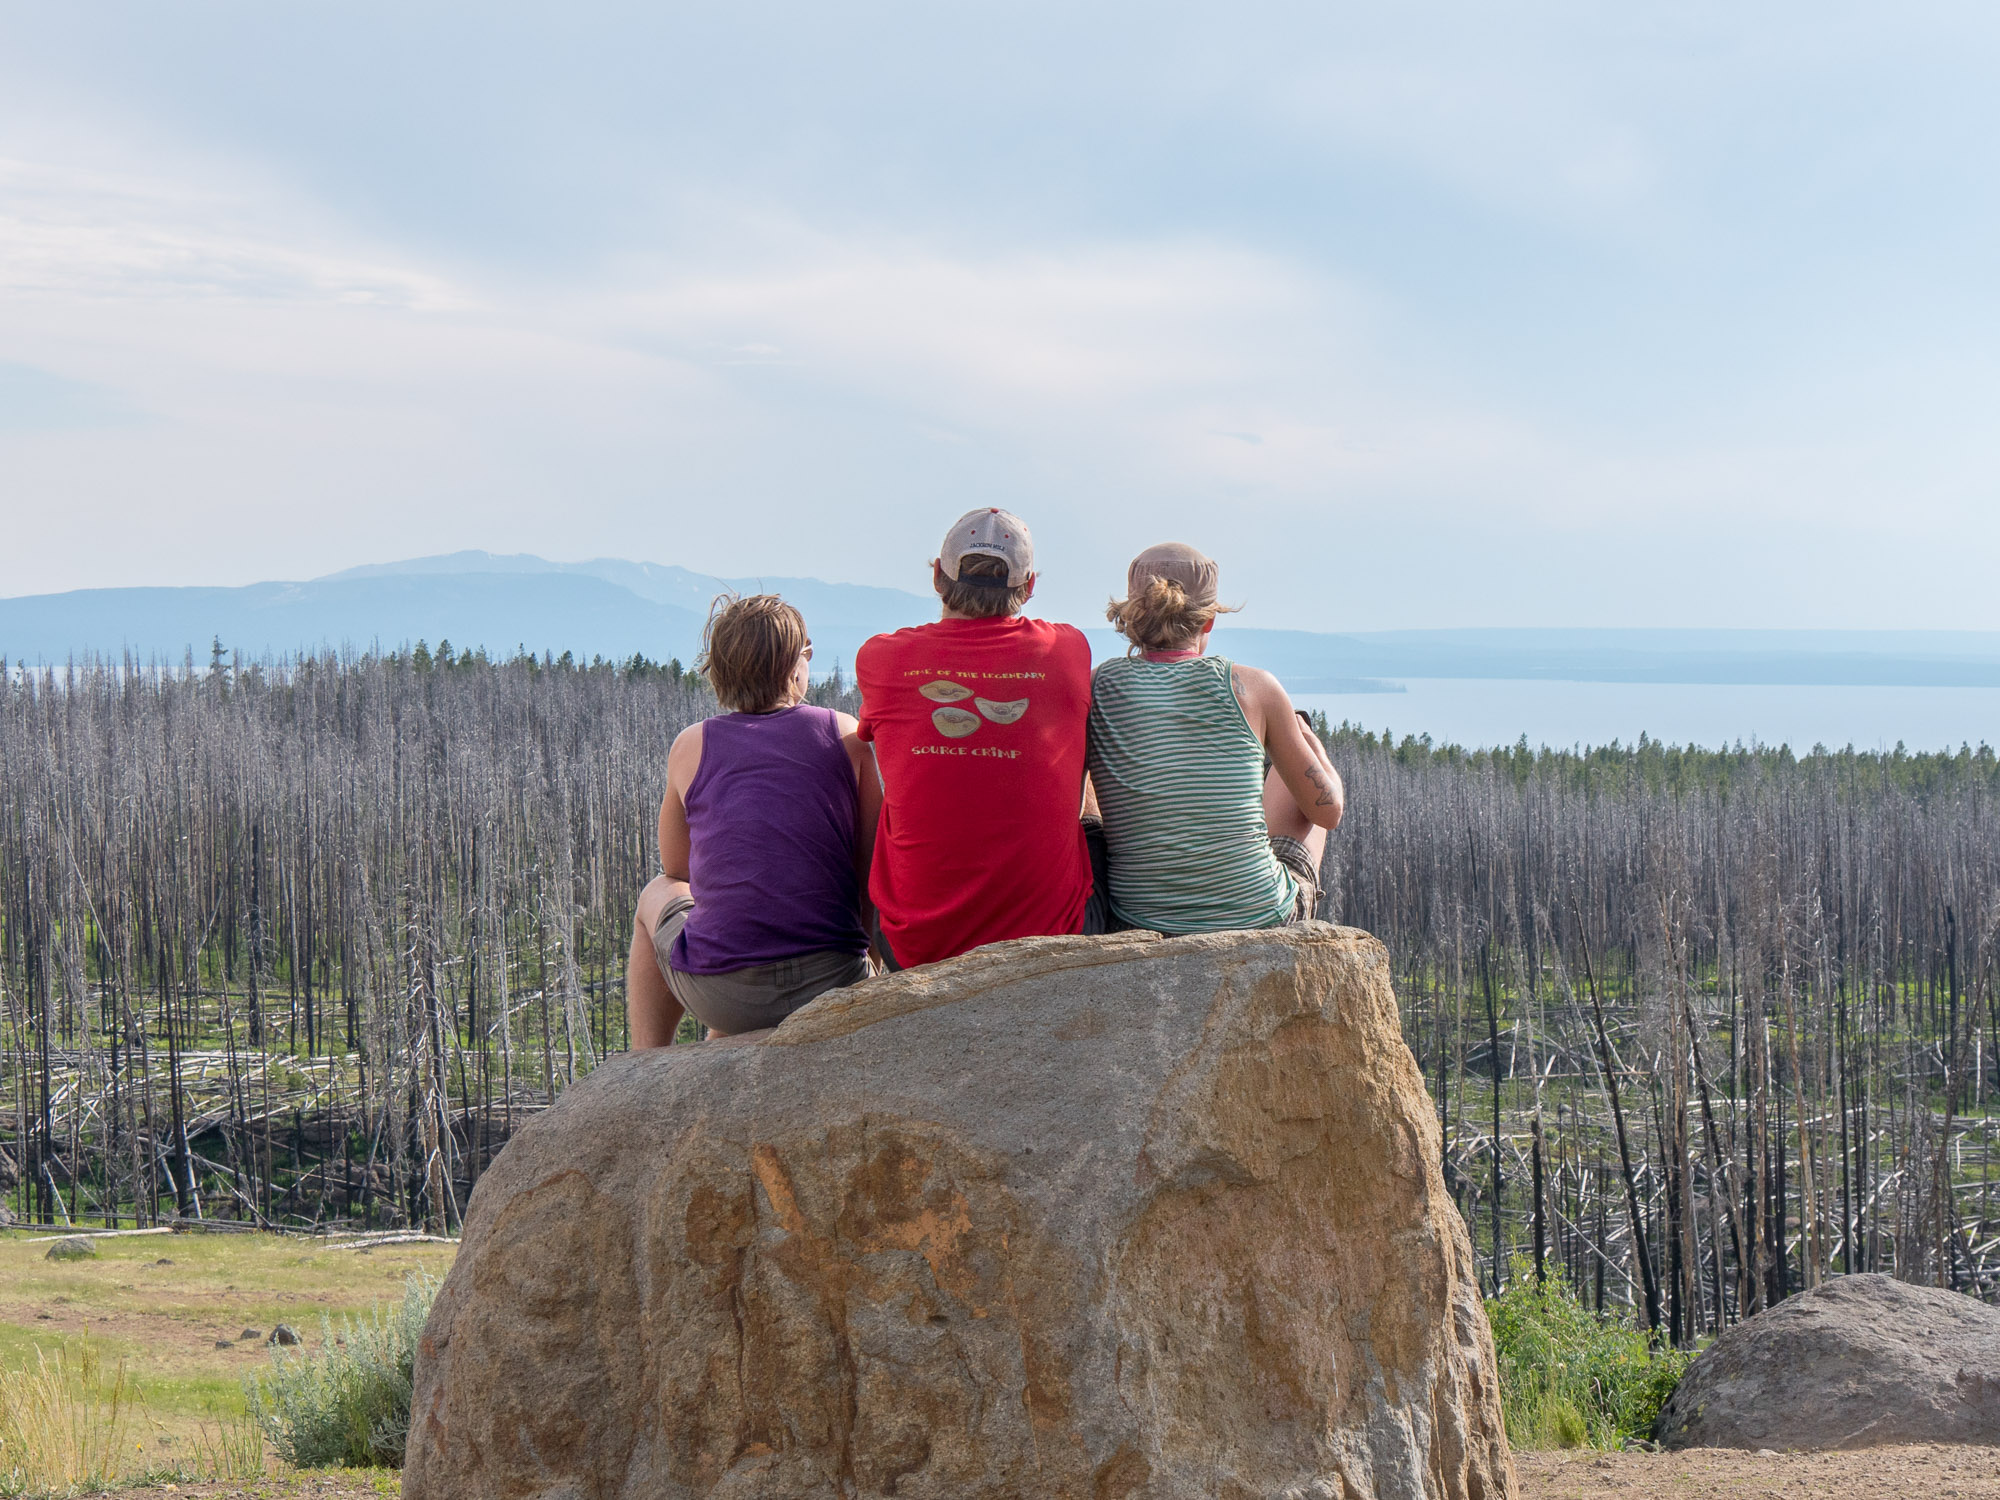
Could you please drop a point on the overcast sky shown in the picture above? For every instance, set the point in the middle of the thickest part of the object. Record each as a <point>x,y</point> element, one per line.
<point>1411,315</point>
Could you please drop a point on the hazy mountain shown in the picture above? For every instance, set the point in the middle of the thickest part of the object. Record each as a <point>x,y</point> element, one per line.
<point>613,608</point>
<point>545,611</point>
<point>849,611</point>
<point>606,607</point>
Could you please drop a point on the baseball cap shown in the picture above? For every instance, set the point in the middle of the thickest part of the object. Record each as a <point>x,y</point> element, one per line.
<point>990,532</point>
<point>1176,562</point>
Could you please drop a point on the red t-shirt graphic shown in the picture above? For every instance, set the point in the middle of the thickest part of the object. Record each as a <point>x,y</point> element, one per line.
<point>978,727</point>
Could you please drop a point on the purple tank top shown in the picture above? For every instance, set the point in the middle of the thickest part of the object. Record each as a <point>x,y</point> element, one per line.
<point>771,814</point>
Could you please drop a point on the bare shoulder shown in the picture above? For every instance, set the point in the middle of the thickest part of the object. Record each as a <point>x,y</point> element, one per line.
<point>1255,685</point>
<point>846,724</point>
<point>685,752</point>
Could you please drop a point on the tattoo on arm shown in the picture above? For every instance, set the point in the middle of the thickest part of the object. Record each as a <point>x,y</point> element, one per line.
<point>1321,785</point>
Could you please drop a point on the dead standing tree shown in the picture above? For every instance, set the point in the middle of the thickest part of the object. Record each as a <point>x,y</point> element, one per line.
<point>1785,987</point>
<point>304,942</point>
<point>277,940</point>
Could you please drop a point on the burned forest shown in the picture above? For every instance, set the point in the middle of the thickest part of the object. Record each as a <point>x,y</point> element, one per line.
<point>302,943</point>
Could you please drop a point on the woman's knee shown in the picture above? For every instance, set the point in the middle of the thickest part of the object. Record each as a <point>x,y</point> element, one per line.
<point>652,901</point>
<point>1282,815</point>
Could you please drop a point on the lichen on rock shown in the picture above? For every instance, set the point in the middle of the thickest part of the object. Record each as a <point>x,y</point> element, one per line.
<point>1105,1218</point>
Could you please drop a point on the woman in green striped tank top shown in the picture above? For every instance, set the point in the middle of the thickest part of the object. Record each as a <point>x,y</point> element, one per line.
<point>1199,837</point>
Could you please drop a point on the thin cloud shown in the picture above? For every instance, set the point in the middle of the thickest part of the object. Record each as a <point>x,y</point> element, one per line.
<point>1425,292</point>
<point>103,235</point>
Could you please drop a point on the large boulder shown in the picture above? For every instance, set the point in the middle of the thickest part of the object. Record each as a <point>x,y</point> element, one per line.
<point>1102,1218</point>
<point>1856,1362</point>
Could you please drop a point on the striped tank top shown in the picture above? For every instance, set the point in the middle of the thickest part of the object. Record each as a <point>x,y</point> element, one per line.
<point>1180,777</point>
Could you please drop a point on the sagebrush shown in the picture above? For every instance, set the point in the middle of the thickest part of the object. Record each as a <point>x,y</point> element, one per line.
<point>347,1403</point>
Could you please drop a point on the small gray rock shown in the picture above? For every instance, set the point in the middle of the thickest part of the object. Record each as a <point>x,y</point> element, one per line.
<point>224,1344</point>
<point>285,1334</point>
<point>1857,1362</point>
<point>251,1333</point>
<point>77,1247</point>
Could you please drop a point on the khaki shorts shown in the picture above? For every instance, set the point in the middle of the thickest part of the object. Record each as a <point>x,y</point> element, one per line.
<point>757,997</point>
<point>1299,865</point>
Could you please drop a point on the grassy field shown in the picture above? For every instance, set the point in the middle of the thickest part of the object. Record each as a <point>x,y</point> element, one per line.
<point>175,1309</point>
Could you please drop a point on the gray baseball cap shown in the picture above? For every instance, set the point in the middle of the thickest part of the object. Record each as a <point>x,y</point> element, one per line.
<point>1176,562</point>
<point>989,532</point>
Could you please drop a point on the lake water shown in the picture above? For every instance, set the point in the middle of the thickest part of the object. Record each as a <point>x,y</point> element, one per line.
<point>1491,711</point>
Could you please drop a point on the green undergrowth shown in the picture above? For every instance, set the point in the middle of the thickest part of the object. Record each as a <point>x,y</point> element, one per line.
<point>181,1399</point>
<point>71,1423</point>
<point>1570,1379</point>
<point>348,1401</point>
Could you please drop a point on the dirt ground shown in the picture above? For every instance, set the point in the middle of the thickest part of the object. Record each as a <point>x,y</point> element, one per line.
<point>369,1485</point>
<point>1916,1473</point>
<point>1923,1472</point>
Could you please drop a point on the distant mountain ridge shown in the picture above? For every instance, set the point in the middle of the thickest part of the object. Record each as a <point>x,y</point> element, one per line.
<point>614,608</point>
<point>845,606</point>
<point>604,607</point>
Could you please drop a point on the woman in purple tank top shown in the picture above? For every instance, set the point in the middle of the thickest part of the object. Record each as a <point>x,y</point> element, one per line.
<point>766,831</point>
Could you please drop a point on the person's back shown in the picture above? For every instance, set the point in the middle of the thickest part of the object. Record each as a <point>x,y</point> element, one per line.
<point>770,816</point>
<point>1198,836</point>
<point>764,830</point>
<point>978,724</point>
<point>1179,775</point>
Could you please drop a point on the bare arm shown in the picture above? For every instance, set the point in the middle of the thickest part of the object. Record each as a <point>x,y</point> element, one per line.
<point>868,783</point>
<point>683,760</point>
<point>1296,754</point>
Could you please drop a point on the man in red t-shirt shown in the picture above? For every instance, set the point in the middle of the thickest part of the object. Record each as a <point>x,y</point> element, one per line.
<point>978,725</point>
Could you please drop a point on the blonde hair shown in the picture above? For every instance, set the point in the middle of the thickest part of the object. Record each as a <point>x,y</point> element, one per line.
<point>1160,617</point>
<point>749,649</point>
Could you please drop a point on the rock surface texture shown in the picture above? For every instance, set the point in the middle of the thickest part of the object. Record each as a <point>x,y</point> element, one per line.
<point>1857,1362</point>
<point>1103,1218</point>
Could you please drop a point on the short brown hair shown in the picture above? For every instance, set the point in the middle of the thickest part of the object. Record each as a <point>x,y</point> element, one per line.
<point>1161,617</point>
<point>981,602</point>
<point>748,651</point>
